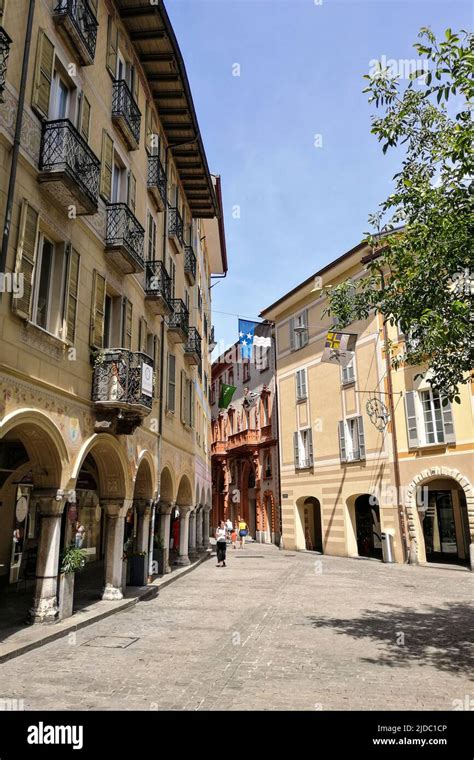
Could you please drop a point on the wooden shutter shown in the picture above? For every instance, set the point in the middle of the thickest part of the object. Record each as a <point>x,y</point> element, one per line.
<point>142,334</point>
<point>410,413</point>
<point>135,84</point>
<point>131,191</point>
<point>298,385</point>
<point>112,46</point>
<point>448,423</point>
<point>310,445</point>
<point>342,441</point>
<point>304,391</point>
<point>361,436</point>
<point>70,305</point>
<point>93,4</point>
<point>26,258</point>
<point>127,315</point>
<point>43,74</point>
<point>171,382</point>
<point>292,334</point>
<point>148,127</point>
<point>84,124</point>
<point>106,165</point>
<point>183,396</point>
<point>97,311</point>
<point>296,447</point>
<point>305,336</point>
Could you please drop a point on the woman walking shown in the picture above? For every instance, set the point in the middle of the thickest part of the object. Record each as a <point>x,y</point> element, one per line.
<point>243,531</point>
<point>221,544</point>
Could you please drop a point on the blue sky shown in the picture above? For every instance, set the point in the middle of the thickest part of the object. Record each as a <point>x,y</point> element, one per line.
<point>301,68</point>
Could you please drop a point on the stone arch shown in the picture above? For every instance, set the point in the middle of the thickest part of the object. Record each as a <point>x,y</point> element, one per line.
<point>144,483</point>
<point>184,496</point>
<point>423,478</point>
<point>167,485</point>
<point>268,524</point>
<point>111,463</point>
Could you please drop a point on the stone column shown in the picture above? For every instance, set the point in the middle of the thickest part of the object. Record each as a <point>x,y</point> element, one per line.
<point>51,504</point>
<point>143,529</point>
<point>165,525</point>
<point>199,514</point>
<point>183,558</point>
<point>115,525</point>
<point>205,528</point>
<point>192,535</point>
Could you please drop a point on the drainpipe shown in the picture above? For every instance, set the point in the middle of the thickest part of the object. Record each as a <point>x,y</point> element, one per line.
<point>274,349</point>
<point>17,139</point>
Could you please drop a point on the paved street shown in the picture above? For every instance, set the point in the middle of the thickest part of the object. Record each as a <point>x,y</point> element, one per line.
<point>273,630</point>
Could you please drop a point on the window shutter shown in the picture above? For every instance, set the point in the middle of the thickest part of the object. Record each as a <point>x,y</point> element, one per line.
<point>342,441</point>
<point>305,336</point>
<point>135,84</point>
<point>171,382</point>
<point>361,435</point>
<point>112,46</point>
<point>298,385</point>
<point>98,311</point>
<point>448,424</point>
<point>156,362</point>
<point>2,10</point>
<point>183,396</point>
<point>191,394</point>
<point>93,4</point>
<point>43,74</point>
<point>410,412</point>
<point>131,191</point>
<point>292,334</point>
<point>26,258</point>
<point>85,117</point>
<point>107,158</point>
<point>310,445</point>
<point>304,391</point>
<point>142,334</point>
<point>127,314</point>
<point>296,449</point>
<point>70,306</point>
<point>148,126</point>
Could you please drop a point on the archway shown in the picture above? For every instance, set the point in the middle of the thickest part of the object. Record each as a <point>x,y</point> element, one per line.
<point>268,516</point>
<point>248,497</point>
<point>366,516</point>
<point>309,529</point>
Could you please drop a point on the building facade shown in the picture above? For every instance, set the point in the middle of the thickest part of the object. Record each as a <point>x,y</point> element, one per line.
<point>113,227</point>
<point>365,450</point>
<point>245,468</point>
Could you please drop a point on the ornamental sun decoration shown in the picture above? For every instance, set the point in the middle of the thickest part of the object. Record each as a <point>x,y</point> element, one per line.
<point>378,413</point>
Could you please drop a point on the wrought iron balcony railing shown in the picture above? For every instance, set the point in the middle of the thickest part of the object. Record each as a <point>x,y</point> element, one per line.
<point>125,237</point>
<point>78,21</point>
<point>190,264</point>
<point>158,287</point>
<point>67,161</point>
<point>192,348</point>
<point>5,43</point>
<point>157,181</point>
<point>178,321</point>
<point>123,383</point>
<point>125,113</point>
<point>175,225</point>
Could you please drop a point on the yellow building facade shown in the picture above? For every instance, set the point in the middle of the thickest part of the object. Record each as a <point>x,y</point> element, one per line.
<point>113,228</point>
<point>371,462</point>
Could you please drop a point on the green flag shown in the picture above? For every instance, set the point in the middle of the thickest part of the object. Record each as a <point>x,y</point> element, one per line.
<point>227,391</point>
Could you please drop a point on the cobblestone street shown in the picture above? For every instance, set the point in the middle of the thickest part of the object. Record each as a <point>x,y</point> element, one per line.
<point>274,630</point>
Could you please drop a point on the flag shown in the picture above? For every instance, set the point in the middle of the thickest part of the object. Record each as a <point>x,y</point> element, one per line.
<point>253,334</point>
<point>227,392</point>
<point>262,335</point>
<point>339,348</point>
<point>250,398</point>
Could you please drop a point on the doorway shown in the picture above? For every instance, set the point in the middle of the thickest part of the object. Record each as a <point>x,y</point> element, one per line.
<point>313,524</point>
<point>444,528</point>
<point>368,530</point>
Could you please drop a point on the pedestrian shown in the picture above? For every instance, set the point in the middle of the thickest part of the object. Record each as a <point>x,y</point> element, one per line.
<point>243,531</point>
<point>175,532</point>
<point>233,536</point>
<point>221,544</point>
<point>79,537</point>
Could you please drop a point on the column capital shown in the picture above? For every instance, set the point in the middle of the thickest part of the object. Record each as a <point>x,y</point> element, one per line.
<point>143,506</point>
<point>51,501</point>
<point>165,507</point>
<point>114,507</point>
<point>207,508</point>
<point>184,509</point>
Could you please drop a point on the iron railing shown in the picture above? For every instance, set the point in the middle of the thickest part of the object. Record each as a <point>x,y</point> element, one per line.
<point>193,342</point>
<point>82,17</point>
<point>175,224</point>
<point>124,107</point>
<point>190,262</point>
<point>157,176</point>
<point>124,230</point>
<point>158,281</point>
<point>122,378</point>
<point>5,43</point>
<point>63,149</point>
<point>179,318</point>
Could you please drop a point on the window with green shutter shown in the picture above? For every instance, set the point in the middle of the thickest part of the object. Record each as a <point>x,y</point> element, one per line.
<point>26,259</point>
<point>72,290</point>
<point>97,310</point>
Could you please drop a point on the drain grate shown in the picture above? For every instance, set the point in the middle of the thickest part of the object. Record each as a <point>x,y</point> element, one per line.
<point>289,555</point>
<point>110,642</point>
<point>249,556</point>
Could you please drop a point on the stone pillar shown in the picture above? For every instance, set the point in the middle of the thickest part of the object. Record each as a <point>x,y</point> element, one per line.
<point>115,525</point>
<point>143,529</point>
<point>183,558</point>
<point>51,504</point>
<point>192,535</point>
<point>199,514</point>
<point>165,525</point>
<point>205,527</point>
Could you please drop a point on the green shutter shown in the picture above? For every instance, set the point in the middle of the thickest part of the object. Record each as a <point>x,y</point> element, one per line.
<point>342,441</point>
<point>97,311</point>
<point>107,158</point>
<point>112,46</point>
<point>43,78</point>
<point>84,124</point>
<point>131,191</point>
<point>70,306</point>
<point>26,258</point>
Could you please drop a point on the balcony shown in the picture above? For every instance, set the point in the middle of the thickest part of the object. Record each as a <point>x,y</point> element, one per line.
<point>76,20</point>
<point>178,321</point>
<point>212,340</point>
<point>189,265</point>
<point>5,43</point>
<point>175,227</point>
<point>69,167</point>
<point>192,348</point>
<point>124,239</point>
<point>122,390</point>
<point>243,438</point>
<point>219,447</point>
<point>156,182</point>
<point>125,114</point>
<point>158,288</point>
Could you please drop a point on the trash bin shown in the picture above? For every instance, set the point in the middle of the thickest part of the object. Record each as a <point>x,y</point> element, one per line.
<point>387,547</point>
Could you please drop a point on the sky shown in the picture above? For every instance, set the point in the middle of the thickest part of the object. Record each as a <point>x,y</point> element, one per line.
<point>290,134</point>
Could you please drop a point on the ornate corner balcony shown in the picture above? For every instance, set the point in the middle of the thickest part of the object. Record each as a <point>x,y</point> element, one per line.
<point>77,22</point>
<point>5,43</point>
<point>156,182</point>
<point>69,167</point>
<point>189,264</point>
<point>192,347</point>
<point>124,239</point>
<point>178,321</point>
<point>122,390</point>
<point>126,114</point>
<point>158,288</point>
<point>175,227</point>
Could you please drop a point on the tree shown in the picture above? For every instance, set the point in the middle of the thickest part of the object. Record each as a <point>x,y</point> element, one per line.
<point>421,272</point>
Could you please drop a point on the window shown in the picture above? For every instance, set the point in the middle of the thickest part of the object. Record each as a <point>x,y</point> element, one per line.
<point>213,393</point>
<point>106,166</point>
<point>246,371</point>
<point>44,68</point>
<point>266,409</point>
<point>60,101</point>
<point>151,238</point>
<point>348,373</point>
<point>299,331</point>
<point>432,416</point>
<point>351,439</point>
<point>171,399</point>
<point>172,274</point>
<point>119,180</point>
<point>301,385</point>
<point>187,400</point>
<point>49,286</point>
<point>303,445</point>
<point>267,467</point>
<point>231,377</point>
<point>429,419</point>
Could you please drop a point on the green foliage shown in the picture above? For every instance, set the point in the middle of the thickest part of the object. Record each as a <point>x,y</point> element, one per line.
<point>72,560</point>
<point>423,232</point>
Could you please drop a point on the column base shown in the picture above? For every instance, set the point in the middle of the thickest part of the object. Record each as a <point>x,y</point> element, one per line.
<point>43,611</point>
<point>112,593</point>
<point>182,561</point>
<point>193,555</point>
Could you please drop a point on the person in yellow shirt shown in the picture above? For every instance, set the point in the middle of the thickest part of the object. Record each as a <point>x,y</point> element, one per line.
<point>243,531</point>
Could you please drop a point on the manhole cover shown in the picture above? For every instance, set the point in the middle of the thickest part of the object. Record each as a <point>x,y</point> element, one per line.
<point>110,642</point>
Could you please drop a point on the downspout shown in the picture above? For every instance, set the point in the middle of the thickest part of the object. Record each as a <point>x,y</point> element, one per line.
<point>17,139</point>
<point>274,349</point>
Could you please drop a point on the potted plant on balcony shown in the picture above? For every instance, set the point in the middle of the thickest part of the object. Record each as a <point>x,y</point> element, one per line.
<point>72,561</point>
<point>159,553</point>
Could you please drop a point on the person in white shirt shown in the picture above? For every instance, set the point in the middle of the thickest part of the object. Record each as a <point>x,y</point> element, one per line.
<point>221,545</point>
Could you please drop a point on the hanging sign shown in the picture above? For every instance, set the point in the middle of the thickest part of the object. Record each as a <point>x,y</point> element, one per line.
<point>21,509</point>
<point>147,380</point>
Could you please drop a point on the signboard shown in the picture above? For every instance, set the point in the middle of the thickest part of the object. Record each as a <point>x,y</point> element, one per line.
<point>21,509</point>
<point>147,380</point>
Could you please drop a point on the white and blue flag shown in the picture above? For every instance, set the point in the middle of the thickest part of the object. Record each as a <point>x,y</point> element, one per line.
<point>253,334</point>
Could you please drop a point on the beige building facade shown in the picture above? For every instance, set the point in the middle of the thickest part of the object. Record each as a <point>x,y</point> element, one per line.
<point>113,228</point>
<point>367,455</point>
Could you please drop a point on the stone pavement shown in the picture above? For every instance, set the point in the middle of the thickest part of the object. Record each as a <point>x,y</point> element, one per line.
<point>273,630</point>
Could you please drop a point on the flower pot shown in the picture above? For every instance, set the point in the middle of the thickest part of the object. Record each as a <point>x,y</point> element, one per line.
<point>138,570</point>
<point>66,595</point>
<point>159,558</point>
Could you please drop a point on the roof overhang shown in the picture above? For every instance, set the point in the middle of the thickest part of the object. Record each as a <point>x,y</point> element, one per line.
<point>155,44</point>
<point>215,234</point>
